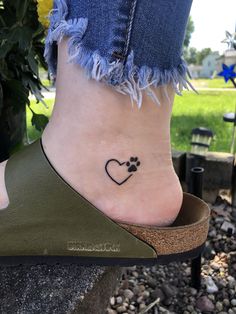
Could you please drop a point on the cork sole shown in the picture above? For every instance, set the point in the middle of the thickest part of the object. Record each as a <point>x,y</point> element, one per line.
<point>188,231</point>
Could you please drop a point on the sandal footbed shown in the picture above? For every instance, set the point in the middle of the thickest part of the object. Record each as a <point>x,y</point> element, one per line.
<point>188,231</point>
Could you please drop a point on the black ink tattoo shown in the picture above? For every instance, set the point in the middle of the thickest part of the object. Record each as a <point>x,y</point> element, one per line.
<point>132,165</point>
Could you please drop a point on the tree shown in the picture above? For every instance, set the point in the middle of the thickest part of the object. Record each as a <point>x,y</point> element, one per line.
<point>21,52</point>
<point>193,56</point>
<point>202,54</point>
<point>190,55</point>
<point>189,31</point>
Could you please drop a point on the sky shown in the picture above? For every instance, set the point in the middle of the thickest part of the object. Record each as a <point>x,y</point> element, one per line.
<point>211,19</point>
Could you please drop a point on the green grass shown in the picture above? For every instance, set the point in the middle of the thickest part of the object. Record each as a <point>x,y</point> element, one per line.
<point>46,82</point>
<point>189,111</point>
<point>44,77</point>
<point>37,108</point>
<point>217,82</point>
<point>206,110</point>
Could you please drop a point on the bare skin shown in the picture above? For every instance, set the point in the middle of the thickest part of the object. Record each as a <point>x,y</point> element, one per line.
<point>91,124</point>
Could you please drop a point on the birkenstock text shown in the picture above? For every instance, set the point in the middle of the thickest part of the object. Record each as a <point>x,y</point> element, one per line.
<point>89,246</point>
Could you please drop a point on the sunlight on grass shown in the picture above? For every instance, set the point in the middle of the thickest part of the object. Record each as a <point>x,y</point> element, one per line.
<point>217,82</point>
<point>46,82</point>
<point>206,110</point>
<point>37,108</point>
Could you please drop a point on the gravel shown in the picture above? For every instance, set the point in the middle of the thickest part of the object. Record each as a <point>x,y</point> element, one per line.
<point>167,288</point>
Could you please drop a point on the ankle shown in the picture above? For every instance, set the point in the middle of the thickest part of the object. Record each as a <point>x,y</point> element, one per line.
<point>153,195</point>
<point>105,127</point>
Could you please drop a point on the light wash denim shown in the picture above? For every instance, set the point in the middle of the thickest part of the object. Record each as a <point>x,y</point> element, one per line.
<point>132,45</point>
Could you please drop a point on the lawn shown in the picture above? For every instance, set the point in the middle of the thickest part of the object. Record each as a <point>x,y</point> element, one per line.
<point>206,110</point>
<point>46,82</point>
<point>38,108</point>
<point>189,111</point>
<point>217,82</point>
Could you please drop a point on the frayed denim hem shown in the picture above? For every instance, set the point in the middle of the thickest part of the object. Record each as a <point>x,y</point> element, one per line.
<point>125,77</point>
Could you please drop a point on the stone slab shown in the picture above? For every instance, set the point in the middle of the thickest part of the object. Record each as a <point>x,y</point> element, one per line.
<point>218,168</point>
<point>210,195</point>
<point>56,289</point>
<point>233,190</point>
<point>97,299</point>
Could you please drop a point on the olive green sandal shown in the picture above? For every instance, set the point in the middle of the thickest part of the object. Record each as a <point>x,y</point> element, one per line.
<point>47,221</point>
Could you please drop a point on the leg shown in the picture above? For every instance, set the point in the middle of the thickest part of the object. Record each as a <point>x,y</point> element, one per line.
<point>92,123</point>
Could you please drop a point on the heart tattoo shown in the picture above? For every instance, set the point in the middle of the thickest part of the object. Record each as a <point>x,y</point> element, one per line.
<point>117,171</point>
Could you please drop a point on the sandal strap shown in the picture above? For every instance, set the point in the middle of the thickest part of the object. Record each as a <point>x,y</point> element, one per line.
<point>46,216</point>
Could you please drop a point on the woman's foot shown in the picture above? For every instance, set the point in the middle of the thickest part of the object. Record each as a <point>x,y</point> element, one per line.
<point>117,156</point>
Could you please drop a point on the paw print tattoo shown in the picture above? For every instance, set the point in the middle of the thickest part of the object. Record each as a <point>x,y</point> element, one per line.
<point>117,170</point>
<point>132,164</point>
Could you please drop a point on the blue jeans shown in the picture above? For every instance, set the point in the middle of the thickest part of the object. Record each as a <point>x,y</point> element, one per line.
<point>132,45</point>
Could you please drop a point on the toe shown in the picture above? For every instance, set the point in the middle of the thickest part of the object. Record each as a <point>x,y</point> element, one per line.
<point>4,200</point>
